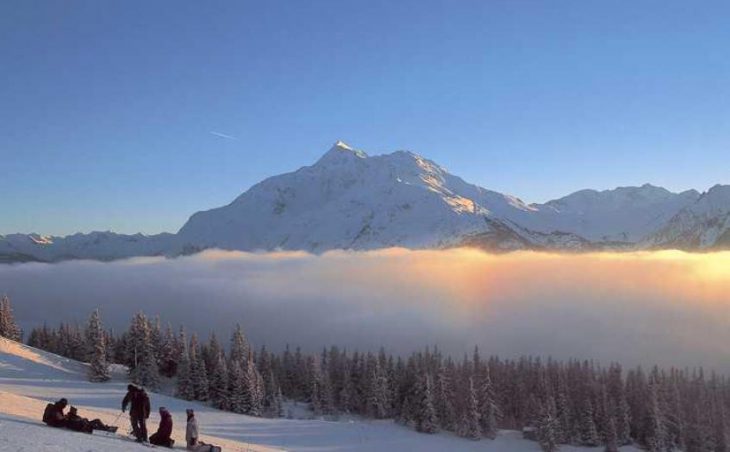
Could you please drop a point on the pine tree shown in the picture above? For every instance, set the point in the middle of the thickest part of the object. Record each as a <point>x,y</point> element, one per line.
<point>427,419</point>
<point>169,354</point>
<point>446,397</point>
<point>347,395</point>
<point>156,339</point>
<point>589,432</point>
<point>488,410</point>
<point>254,388</point>
<point>240,349</point>
<point>469,424</point>
<point>95,341</point>
<point>655,435</point>
<point>198,375</point>
<point>238,399</point>
<point>185,389</point>
<point>378,398</point>
<point>8,328</point>
<point>548,426</point>
<point>144,369</point>
<point>219,384</point>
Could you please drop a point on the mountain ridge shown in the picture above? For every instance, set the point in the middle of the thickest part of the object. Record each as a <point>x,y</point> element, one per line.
<point>348,199</point>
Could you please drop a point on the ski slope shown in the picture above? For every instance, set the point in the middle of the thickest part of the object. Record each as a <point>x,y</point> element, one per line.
<point>31,378</point>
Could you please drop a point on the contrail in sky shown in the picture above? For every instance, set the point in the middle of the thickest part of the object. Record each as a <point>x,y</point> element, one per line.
<point>223,135</point>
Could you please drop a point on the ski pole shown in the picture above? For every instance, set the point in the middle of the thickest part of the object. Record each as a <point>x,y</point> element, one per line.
<point>116,421</point>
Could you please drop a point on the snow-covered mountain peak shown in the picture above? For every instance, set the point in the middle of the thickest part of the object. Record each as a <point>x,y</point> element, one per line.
<point>340,154</point>
<point>342,145</point>
<point>350,200</point>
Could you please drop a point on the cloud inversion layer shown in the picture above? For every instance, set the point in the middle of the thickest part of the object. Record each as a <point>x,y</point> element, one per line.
<point>669,308</point>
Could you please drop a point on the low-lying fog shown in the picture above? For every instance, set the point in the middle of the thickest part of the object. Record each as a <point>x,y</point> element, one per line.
<point>669,308</point>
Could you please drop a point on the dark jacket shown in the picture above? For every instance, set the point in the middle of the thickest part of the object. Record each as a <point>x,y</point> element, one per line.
<point>165,429</point>
<point>140,403</point>
<point>53,415</point>
<point>78,423</point>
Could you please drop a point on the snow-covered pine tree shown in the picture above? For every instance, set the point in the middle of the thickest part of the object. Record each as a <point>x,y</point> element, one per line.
<point>185,389</point>
<point>469,423</point>
<point>169,354</point>
<point>427,420</point>
<point>253,384</point>
<point>347,391</point>
<point>562,406</point>
<point>240,349</point>
<point>237,393</point>
<point>446,396</point>
<point>719,418</point>
<point>488,410</point>
<point>548,426</point>
<point>219,385</point>
<point>609,433</point>
<point>156,339</point>
<point>8,328</point>
<point>144,369</point>
<point>95,341</point>
<point>198,375</point>
<point>265,368</point>
<point>279,403</point>
<point>588,431</point>
<point>655,436</point>
<point>212,352</point>
<point>378,397</point>
<point>314,385</point>
<point>623,422</point>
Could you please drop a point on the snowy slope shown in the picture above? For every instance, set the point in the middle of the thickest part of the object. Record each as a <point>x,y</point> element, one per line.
<point>349,200</point>
<point>625,214</point>
<point>30,378</point>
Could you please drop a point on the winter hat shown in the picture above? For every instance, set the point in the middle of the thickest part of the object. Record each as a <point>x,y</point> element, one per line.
<point>63,402</point>
<point>131,387</point>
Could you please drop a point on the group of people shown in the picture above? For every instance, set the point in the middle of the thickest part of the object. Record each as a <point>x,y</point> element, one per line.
<point>139,411</point>
<point>54,416</point>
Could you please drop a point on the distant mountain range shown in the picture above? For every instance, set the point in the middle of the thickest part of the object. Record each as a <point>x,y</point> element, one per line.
<point>349,200</point>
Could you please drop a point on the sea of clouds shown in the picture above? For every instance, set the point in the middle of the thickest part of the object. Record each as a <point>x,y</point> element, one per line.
<point>669,308</point>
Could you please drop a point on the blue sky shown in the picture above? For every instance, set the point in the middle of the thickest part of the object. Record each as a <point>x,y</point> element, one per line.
<point>107,109</point>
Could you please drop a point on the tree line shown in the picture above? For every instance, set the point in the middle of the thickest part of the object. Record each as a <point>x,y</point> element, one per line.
<point>554,402</point>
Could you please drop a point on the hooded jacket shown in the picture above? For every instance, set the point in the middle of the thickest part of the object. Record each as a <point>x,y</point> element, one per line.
<point>140,403</point>
<point>164,431</point>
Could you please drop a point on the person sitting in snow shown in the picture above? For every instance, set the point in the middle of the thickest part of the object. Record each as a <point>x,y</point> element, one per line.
<point>191,436</point>
<point>81,424</point>
<point>53,415</point>
<point>162,436</point>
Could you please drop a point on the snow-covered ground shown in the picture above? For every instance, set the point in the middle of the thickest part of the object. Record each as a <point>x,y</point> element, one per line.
<point>30,378</point>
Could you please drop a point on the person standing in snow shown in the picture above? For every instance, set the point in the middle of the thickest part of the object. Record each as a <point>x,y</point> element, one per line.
<point>139,411</point>
<point>191,436</point>
<point>162,436</point>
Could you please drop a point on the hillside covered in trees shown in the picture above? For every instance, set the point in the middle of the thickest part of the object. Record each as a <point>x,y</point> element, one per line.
<point>573,402</point>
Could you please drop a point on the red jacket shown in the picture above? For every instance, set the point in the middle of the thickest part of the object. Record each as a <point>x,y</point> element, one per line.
<point>165,429</point>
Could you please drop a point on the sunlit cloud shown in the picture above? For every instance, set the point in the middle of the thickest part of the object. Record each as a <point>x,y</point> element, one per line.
<point>670,308</point>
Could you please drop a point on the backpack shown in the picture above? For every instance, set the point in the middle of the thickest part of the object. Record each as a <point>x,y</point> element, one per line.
<point>47,413</point>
